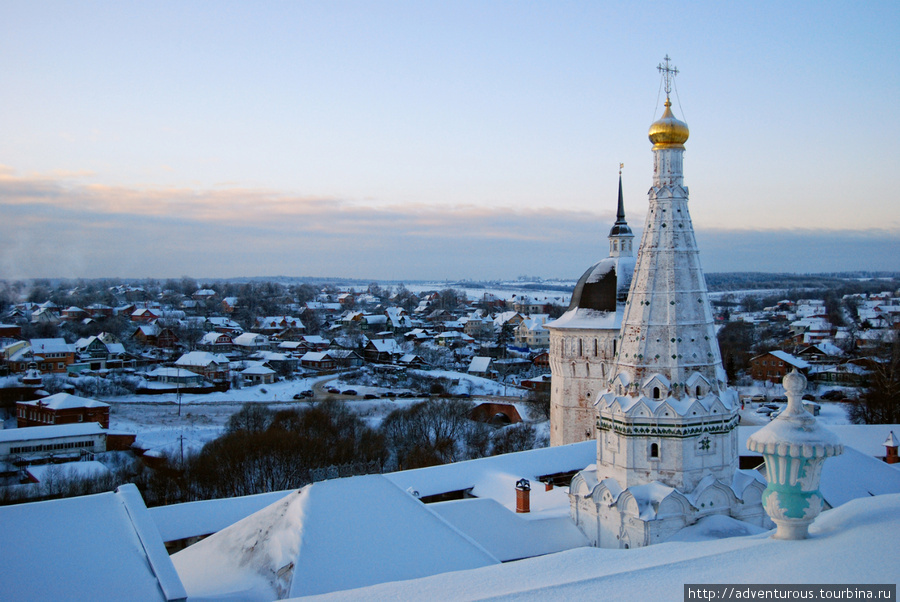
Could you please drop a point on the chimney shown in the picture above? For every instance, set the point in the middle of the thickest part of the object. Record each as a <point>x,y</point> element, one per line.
<point>890,447</point>
<point>523,495</point>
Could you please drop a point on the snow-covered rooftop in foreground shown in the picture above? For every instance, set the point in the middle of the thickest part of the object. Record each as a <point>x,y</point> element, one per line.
<point>94,547</point>
<point>855,543</point>
<point>328,536</point>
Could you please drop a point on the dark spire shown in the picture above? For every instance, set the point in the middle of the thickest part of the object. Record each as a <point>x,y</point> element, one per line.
<point>621,226</point>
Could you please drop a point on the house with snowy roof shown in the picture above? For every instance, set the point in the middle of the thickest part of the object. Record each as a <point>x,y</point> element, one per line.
<point>258,373</point>
<point>73,314</point>
<point>216,342</point>
<point>774,365</point>
<point>38,443</point>
<point>52,355</point>
<point>271,325</point>
<point>155,335</point>
<point>215,368</point>
<point>220,324</point>
<point>481,366</point>
<point>101,352</point>
<point>384,351</point>
<point>318,360</point>
<point>61,408</point>
<point>250,342</point>
<point>531,333</point>
<point>229,304</point>
<point>175,376</point>
<point>145,315</point>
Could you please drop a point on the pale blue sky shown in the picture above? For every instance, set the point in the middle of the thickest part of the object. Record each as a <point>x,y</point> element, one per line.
<point>426,140</point>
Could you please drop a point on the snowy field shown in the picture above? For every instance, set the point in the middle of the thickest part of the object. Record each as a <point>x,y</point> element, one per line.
<point>503,290</point>
<point>162,430</point>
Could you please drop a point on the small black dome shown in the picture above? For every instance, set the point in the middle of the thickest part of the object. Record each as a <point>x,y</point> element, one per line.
<point>597,288</point>
<point>620,229</point>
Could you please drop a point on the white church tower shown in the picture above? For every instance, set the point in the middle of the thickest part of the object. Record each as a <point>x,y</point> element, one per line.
<point>583,339</point>
<point>666,420</point>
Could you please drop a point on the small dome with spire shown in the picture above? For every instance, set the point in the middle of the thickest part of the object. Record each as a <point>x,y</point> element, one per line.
<point>668,132</point>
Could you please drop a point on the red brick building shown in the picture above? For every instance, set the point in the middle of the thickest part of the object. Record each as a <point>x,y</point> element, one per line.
<point>61,408</point>
<point>774,365</point>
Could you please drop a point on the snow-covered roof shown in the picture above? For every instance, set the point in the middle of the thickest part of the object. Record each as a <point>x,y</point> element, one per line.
<point>385,345</point>
<point>64,401</point>
<point>855,543</point>
<point>483,475</point>
<point>202,358</point>
<point>31,433</point>
<point>94,547</point>
<point>78,470</point>
<point>480,364</point>
<point>258,369</point>
<point>213,337</point>
<point>51,346</point>
<point>329,536</point>
<point>172,373</point>
<point>193,519</point>
<point>854,475</point>
<point>251,339</point>
<point>790,359</point>
<point>507,535</point>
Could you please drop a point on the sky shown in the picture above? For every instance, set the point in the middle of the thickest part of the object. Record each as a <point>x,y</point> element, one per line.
<point>437,140</point>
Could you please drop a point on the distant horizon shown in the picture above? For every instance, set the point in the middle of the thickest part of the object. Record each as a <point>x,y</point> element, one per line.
<point>850,275</point>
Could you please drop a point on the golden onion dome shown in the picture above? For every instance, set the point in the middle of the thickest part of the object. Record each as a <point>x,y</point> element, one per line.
<point>668,132</point>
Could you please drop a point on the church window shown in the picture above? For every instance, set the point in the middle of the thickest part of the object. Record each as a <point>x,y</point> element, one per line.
<point>698,391</point>
<point>654,450</point>
<point>580,348</point>
<point>656,394</point>
<point>596,349</point>
<point>615,246</point>
<point>614,346</point>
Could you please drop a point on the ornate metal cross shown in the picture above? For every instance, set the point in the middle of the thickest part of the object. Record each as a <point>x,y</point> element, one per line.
<point>669,72</point>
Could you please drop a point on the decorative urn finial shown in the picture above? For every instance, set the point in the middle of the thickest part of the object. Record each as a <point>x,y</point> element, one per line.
<point>795,446</point>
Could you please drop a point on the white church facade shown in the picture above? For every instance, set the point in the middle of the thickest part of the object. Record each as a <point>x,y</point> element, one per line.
<point>583,341</point>
<point>663,417</point>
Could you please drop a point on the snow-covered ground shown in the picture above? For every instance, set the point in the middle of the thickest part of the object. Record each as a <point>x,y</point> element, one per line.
<point>161,429</point>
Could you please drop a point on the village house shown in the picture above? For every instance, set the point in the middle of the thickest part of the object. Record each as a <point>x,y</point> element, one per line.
<point>214,367</point>
<point>229,304</point>
<point>175,376</point>
<point>258,373</point>
<point>481,366</point>
<point>346,358</point>
<point>51,355</point>
<point>73,314</point>
<point>774,365</point>
<point>226,325</point>
<point>154,335</point>
<point>384,351</point>
<point>61,408</point>
<point>272,325</point>
<point>99,311</point>
<point>250,342</point>
<point>530,333</point>
<point>101,352</point>
<point>216,342</point>
<point>37,443</point>
<point>145,315</point>
<point>318,360</point>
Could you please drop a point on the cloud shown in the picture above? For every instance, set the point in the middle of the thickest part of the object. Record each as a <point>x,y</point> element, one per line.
<point>54,226</point>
